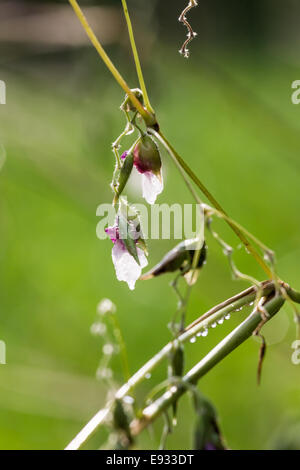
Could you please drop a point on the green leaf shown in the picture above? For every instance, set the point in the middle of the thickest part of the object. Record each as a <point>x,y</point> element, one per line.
<point>127,236</point>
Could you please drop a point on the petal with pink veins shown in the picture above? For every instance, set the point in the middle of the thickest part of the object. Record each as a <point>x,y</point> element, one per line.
<point>152,186</point>
<point>112,232</point>
<point>127,269</point>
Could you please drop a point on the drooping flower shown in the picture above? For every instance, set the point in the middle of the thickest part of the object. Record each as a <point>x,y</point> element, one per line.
<point>128,253</point>
<point>146,159</point>
<point>181,259</point>
<point>124,155</point>
<point>127,268</point>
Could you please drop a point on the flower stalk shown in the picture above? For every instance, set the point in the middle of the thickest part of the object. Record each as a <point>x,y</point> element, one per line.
<point>147,116</point>
<point>136,58</point>
<point>212,316</point>
<point>225,347</point>
<point>172,152</point>
<point>271,293</point>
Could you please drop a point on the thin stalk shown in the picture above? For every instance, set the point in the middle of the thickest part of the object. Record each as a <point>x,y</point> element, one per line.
<point>239,227</point>
<point>212,200</point>
<point>148,117</point>
<point>225,347</point>
<point>136,58</point>
<point>204,322</point>
<point>122,345</point>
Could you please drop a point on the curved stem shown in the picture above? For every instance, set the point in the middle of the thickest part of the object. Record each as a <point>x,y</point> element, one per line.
<point>225,347</point>
<point>212,200</point>
<point>206,320</point>
<point>136,58</point>
<point>148,117</point>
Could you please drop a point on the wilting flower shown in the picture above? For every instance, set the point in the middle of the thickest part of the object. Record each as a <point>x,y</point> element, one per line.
<point>181,259</point>
<point>129,259</point>
<point>146,159</point>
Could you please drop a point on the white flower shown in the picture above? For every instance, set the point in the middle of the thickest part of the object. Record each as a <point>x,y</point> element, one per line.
<point>127,269</point>
<point>152,186</point>
<point>147,161</point>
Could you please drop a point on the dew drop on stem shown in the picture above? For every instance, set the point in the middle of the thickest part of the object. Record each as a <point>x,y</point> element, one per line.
<point>128,400</point>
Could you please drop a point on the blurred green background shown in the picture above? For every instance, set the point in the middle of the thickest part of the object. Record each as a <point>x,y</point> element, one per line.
<point>228,111</point>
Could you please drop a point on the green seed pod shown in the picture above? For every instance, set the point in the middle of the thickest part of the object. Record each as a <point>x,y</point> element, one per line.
<point>207,434</point>
<point>126,233</point>
<point>179,258</point>
<point>121,424</point>
<point>176,369</point>
<point>129,105</point>
<point>147,156</point>
<point>120,418</point>
<point>176,366</point>
<point>125,172</point>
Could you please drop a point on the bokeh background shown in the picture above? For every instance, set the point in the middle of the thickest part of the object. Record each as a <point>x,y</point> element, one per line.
<point>228,111</point>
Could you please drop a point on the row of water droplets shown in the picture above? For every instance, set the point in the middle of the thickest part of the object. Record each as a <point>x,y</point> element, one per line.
<point>220,321</point>
<point>102,328</point>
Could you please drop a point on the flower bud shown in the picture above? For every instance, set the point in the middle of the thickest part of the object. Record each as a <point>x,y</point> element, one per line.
<point>176,365</point>
<point>121,422</point>
<point>125,172</point>
<point>129,106</point>
<point>207,434</point>
<point>147,156</point>
<point>179,258</point>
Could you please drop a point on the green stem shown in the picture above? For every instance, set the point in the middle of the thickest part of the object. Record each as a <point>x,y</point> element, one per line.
<point>225,347</point>
<point>136,58</point>
<point>212,200</point>
<point>122,345</point>
<point>148,117</point>
<point>204,322</point>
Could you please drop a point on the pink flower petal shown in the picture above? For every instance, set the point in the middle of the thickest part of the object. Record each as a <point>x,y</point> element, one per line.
<point>112,232</point>
<point>127,269</point>
<point>152,186</point>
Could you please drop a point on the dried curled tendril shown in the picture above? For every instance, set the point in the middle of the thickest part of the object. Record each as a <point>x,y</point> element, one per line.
<point>191,34</point>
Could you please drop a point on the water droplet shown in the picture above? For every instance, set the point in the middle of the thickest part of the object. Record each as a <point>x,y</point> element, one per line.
<point>199,334</point>
<point>213,325</point>
<point>108,349</point>
<point>251,303</point>
<point>148,376</point>
<point>221,320</point>
<point>106,306</point>
<point>193,339</point>
<point>98,329</point>
<point>205,332</point>
<point>227,317</point>
<point>104,373</point>
<point>128,400</point>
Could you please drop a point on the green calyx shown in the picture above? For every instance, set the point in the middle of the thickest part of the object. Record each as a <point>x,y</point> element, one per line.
<point>146,156</point>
